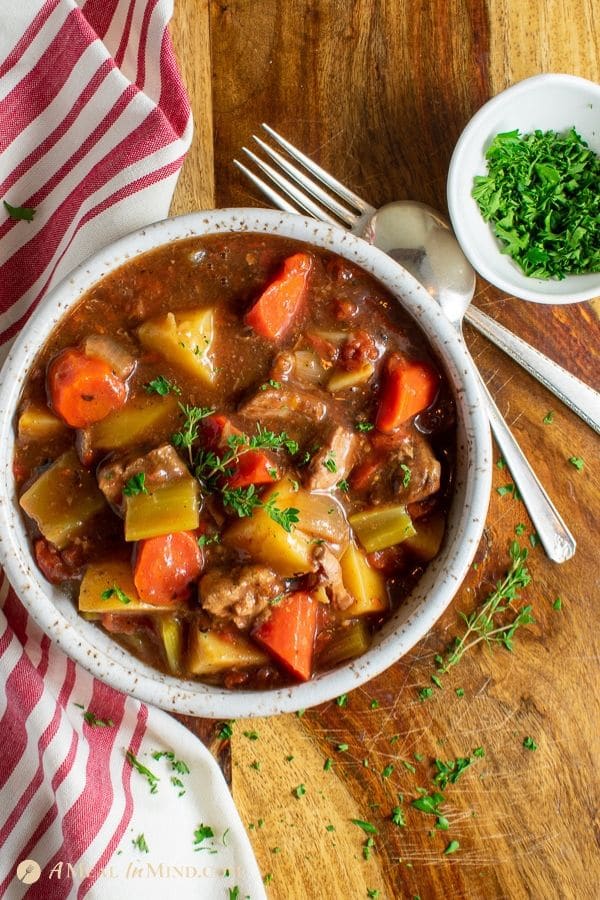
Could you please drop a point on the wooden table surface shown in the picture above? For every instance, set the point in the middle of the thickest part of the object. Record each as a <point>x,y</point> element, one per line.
<point>377,91</point>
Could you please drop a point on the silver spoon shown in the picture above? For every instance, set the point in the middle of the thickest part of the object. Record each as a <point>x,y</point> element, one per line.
<point>419,238</point>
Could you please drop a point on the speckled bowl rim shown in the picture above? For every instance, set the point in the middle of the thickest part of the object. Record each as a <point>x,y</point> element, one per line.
<point>509,109</point>
<point>89,645</point>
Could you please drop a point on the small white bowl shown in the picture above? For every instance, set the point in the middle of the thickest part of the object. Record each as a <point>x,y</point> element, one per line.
<point>546,102</point>
<point>93,648</point>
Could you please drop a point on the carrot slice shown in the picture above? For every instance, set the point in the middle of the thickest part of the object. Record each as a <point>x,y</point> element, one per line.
<point>166,566</point>
<point>83,389</point>
<point>282,299</point>
<point>253,467</point>
<point>289,633</point>
<point>407,389</point>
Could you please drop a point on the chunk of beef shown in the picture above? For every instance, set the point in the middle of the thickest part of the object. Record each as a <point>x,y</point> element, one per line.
<point>160,465</point>
<point>293,410</point>
<point>333,461</point>
<point>409,473</point>
<point>330,575</point>
<point>239,594</point>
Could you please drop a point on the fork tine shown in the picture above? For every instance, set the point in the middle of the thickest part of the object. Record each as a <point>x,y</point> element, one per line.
<point>298,196</point>
<point>345,215</point>
<point>275,198</point>
<point>340,189</point>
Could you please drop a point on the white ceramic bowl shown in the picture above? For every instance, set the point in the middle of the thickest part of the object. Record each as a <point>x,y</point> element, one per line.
<point>547,102</point>
<point>94,649</point>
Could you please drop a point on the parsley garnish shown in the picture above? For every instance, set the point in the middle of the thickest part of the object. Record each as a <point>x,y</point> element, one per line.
<point>548,418</point>
<point>330,463</point>
<point>364,426</point>
<point>397,817</point>
<point>201,833</point>
<point>135,485</point>
<point>299,791</point>
<point>449,772</point>
<point>162,386</point>
<point>343,486</point>
<point>92,719</point>
<point>206,539</point>
<point>25,213</point>
<point>452,847</point>
<point>529,743</point>
<point>225,731</point>
<point>429,803</point>
<point>140,844</point>
<point>557,604</point>
<point>541,197</point>
<point>150,777</point>
<point>387,771</point>
<point>366,826</point>
<point>270,383</point>
<point>577,462</point>
<point>115,591</point>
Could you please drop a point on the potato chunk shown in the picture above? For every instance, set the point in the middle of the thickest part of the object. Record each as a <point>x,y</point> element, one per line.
<point>210,652</point>
<point>174,506</point>
<point>364,583</point>
<point>102,578</point>
<point>185,339</point>
<point>139,420</point>
<point>63,499</point>
<point>286,552</point>
<point>37,423</point>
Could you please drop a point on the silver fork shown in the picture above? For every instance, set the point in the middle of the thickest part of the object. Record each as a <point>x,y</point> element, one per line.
<point>305,192</point>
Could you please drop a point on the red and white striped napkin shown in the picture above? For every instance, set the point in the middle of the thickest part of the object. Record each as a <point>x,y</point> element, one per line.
<point>94,127</point>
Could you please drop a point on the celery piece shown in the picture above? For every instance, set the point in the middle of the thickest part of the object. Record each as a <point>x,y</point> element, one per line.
<point>364,583</point>
<point>142,418</point>
<point>342,379</point>
<point>348,642</point>
<point>170,630</point>
<point>185,339</point>
<point>214,651</point>
<point>382,526</point>
<point>63,499</point>
<point>170,507</point>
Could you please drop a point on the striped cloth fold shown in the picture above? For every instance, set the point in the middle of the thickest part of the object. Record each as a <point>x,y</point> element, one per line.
<point>94,127</point>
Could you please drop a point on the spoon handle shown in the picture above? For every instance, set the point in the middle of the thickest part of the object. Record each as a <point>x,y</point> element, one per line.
<point>555,537</point>
<point>573,392</point>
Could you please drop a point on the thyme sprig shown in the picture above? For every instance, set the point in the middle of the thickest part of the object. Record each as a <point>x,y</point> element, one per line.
<point>487,622</point>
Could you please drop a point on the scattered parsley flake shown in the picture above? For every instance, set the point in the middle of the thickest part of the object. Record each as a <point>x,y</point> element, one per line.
<point>425,693</point>
<point>161,386</point>
<point>374,704</point>
<point>140,844</point>
<point>407,475</point>
<point>150,777</point>
<point>408,765</point>
<point>23,213</point>
<point>251,735</point>
<point>343,486</point>
<point>135,485</point>
<point>299,791</point>
<point>115,591</point>
<point>225,730</point>
<point>428,803</point>
<point>534,540</point>
<point>460,692</point>
<point>397,817</point>
<point>94,722</point>
<point>519,529</point>
<point>577,462</point>
<point>557,604</point>
<point>548,418</point>
<point>202,833</point>
<point>452,847</point>
<point>328,764</point>
<point>387,771</point>
<point>364,426</point>
<point>529,744</point>
<point>366,826</point>
<point>342,700</point>
<point>341,748</point>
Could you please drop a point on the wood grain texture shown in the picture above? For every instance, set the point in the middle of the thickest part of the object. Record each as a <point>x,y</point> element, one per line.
<point>378,92</point>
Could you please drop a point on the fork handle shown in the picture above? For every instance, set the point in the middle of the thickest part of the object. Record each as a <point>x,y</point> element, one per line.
<point>555,537</point>
<point>575,394</point>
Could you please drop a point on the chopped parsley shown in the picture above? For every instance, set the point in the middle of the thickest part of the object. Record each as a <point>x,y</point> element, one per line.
<point>577,462</point>
<point>557,604</point>
<point>406,476</point>
<point>328,764</point>
<point>135,485</point>
<point>367,827</point>
<point>140,844</point>
<point>115,591</point>
<point>343,486</point>
<point>549,418</point>
<point>251,735</point>
<point>92,719</point>
<point>25,213</point>
<point>150,777</point>
<point>387,771</point>
<point>299,791</point>
<point>529,743</point>
<point>364,426</point>
<point>162,386</point>
<point>270,383</point>
<point>541,198</point>
<point>428,803</point>
<point>342,700</point>
<point>452,847</point>
<point>449,772</point>
<point>397,817</point>
<point>425,693</point>
<point>330,463</point>
<point>510,490</point>
<point>225,731</point>
<point>201,834</point>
